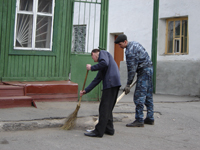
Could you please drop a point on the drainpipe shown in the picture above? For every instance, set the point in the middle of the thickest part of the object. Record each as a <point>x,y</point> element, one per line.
<point>154,41</point>
<point>103,25</point>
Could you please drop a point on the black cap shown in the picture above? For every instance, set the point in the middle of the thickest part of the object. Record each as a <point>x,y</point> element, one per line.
<point>121,38</point>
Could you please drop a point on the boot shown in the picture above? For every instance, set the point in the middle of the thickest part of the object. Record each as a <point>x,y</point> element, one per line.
<point>148,121</point>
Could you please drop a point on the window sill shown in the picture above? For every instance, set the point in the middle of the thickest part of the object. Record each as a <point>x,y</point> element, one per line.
<point>171,54</point>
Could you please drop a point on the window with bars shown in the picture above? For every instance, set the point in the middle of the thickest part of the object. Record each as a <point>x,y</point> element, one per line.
<point>34,25</point>
<point>177,36</point>
<point>86,25</point>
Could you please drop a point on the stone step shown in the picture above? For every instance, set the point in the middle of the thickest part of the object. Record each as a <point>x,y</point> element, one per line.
<point>10,90</point>
<point>16,101</point>
<point>49,90</point>
<point>54,97</point>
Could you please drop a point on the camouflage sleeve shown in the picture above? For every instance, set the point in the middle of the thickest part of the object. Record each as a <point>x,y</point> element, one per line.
<point>132,64</point>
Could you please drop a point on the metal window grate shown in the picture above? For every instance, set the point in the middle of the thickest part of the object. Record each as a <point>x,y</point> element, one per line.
<point>86,21</point>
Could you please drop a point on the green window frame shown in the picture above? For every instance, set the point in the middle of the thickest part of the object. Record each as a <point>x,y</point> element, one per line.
<point>176,36</point>
<point>38,19</point>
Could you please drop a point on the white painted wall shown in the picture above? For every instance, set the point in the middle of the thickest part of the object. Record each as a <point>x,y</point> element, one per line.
<point>176,74</point>
<point>133,18</point>
<point>180,8</point>
<point>179,74</point>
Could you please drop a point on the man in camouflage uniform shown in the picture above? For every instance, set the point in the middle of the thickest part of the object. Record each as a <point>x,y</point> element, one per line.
<point>138,60</point>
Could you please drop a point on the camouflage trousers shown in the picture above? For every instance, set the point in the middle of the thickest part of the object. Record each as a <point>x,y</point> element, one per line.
<point>144,94</point>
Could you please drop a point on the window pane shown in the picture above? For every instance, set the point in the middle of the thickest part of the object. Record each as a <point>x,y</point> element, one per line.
<point>79,37</point>
<point>43,32</point>
<point>176,46</point>
<point>26,5</point>
<point>24,30</point>
<point>170,36</point>
<point>177,29</point>
<point>45,6</point>
<point>184,37</point>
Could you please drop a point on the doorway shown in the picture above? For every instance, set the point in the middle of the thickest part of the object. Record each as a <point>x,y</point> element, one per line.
<point>118,53</point>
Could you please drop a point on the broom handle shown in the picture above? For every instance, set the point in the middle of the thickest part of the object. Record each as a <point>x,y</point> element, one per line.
<point>120,97</point>
<point>79,103</point>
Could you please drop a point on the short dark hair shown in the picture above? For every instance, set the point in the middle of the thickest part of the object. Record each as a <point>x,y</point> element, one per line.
<point>121,38</point>
<point>95,51</point>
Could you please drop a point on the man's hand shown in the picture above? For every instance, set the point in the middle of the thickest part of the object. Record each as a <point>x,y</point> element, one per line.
<point>88,66</point>
<point>127,89</point>
<point>82,92</point>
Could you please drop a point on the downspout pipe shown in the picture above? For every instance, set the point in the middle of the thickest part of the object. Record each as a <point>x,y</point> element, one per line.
<point>154,41</point>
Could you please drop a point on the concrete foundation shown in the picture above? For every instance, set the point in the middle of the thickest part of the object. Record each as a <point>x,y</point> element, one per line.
<point>178,77</point>
<point>174,77</point>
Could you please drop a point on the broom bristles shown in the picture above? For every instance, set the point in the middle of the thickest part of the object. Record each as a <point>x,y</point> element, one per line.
<point>71,119</point>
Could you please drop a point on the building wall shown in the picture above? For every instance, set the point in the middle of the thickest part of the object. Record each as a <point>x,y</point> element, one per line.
<point>176,74</point>
<point>133,18</point>
<point>179,74</point>
<point>35,65</point>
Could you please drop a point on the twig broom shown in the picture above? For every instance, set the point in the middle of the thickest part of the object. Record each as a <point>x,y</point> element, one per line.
<point>71,119</point>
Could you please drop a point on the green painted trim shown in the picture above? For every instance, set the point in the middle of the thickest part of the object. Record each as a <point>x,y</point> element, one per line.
<point>154,41</point>
<point>103,25</point>
<point>3,39</point>
<point>31,52</point>
<point>80,53</point>
<point>33,78</point>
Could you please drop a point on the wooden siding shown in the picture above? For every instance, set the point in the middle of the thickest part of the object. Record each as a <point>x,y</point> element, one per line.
<point>33,66</point>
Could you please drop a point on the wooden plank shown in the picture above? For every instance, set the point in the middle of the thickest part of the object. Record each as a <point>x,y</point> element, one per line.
<point>35,67</point>
<point>27,66</point>
<point>31,66</point>
<point>49,73</point>
<point>53,66</point>
<point>1,15</point>
<point>59,5</point>
<point>46,66</point>
<point>10,58</point>
<point>39,67</point>
<point>19,72</point>
<point>3,35</point>
<point>23,65</point>
<point>43,66</point>
<point>8,27</point>
<point>67,43</point>
<point>62,48</point>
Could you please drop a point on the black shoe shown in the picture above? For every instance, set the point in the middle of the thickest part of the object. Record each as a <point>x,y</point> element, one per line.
<point>148,121</point>
<point>92,134</point>
<point>109,133</point>
<point>135,123</point>
<point>106,132</point>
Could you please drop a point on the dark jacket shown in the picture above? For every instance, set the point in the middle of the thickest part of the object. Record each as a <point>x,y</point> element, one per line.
<point>107,71</point>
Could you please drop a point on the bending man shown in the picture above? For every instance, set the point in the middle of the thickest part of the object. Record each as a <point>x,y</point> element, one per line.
<point>108,72</point>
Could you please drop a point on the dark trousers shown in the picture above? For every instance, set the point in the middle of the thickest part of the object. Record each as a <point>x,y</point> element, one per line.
<point>108,100</point>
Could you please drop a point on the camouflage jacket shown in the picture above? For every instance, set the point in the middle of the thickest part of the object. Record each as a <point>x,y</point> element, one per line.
<point>137,58</point>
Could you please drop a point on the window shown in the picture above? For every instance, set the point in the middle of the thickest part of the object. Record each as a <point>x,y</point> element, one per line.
<point>177,36</point>
<point>79,38</point>
<point>34,25</point>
